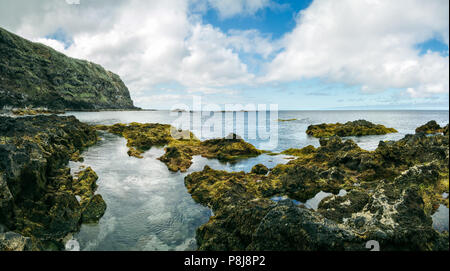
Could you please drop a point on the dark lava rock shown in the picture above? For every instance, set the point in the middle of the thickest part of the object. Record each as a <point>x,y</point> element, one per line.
<point>11,241</point>
<point>181,145</point>
<point>391,194</point>
<point>260,169</point>
<point>430,127</point>
<point>94,210</point>
<point>34,75</point>
<point>38,195</point>
<point>351,128</point>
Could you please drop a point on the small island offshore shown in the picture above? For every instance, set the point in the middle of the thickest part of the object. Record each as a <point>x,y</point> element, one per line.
<point>320,189</point>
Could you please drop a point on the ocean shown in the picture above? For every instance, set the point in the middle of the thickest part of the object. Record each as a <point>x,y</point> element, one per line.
<point>149,207</point>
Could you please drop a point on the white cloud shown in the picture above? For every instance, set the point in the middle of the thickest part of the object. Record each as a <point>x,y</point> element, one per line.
<point>367,42</point>
<point>149,43</point>
<point>162,98</point>
<point>208,90</point>
<point>230,8</point>
<point>370,43</point>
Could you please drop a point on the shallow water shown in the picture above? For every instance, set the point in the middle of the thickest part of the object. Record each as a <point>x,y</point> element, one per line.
<point>440,218</point>
<point>291,134</point>
<point>312,203</point>
<point>149,207</point>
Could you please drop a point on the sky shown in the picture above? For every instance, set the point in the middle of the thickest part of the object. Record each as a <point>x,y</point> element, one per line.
<point>301,55</point>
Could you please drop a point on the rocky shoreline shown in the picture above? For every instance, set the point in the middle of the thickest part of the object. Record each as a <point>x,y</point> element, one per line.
<point>40,202</point>
<point>181,146</point>
<point>390,194</point>
<point>387,195</point>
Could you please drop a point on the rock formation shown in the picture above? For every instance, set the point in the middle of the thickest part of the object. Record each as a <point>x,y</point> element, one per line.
<point>391,194</point>
<point>351,128</point>
<point>34,75</point>
<point>181,145</point>
<point>38,195</point>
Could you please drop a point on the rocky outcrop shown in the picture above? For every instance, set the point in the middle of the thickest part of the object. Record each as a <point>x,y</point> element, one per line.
<point>181,145</point>
<point>34,75</point>
<point>351,128</point>
<point>260,169</point>
<point>11,241</point>
<point>391,194</point>
<point>431,127</point>
<point>38,198</point>
<point>34,111</point>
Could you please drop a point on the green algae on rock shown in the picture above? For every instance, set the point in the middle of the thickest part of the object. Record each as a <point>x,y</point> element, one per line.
<point>35,75</point>
<point>181,146</point>
<point>38,192</point>
<point>392,193</point>
<point>93,210</point>
<point>11,241</point>
<point>351,128</point>
<point>431,127</point>
<point>286,120</point>
<point>260,169</point>
<point>34,111</point>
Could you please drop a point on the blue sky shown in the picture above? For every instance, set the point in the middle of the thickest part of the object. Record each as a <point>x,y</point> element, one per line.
<point>275,21</point>
<point>316,94</point>
<point>308,54</point>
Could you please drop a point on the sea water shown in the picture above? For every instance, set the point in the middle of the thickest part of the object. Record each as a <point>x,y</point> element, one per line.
<point>149,207</point>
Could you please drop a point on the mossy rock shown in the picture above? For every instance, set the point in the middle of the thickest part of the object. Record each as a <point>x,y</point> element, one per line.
<point>430,127</point>
<point>391,194</point>
<point>351,128</point>
<point>38,197</point>
<point>94,210</point>
<point>260,169</point>
<point>181,145</point>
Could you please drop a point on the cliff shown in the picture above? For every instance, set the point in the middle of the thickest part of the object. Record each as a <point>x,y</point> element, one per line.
<point>34,75</point>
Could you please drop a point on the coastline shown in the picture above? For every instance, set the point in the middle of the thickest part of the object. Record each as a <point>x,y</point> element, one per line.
<point>273,186</point>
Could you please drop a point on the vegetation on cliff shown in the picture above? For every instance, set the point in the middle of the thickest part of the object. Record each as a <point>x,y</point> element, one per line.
<point>351,128</point>
<point>34,75</point>
<point>181,146</point>
<point>38,196</point>
<point>391,194</point>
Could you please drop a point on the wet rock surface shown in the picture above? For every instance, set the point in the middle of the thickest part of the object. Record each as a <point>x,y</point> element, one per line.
<point>351,128</point>
<point>260,169</point>
<point>34,111</point>
<point>392,193</point>
<point>38,196</point>
<point>11,241</point>
<point>432,127</point>
<point>181,146</point>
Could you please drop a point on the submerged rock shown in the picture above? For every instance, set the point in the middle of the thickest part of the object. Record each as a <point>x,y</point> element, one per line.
<point>392,193</point>
<point>38,196</point>
<point>351,128</point>
<point>181,145</point>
